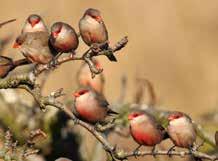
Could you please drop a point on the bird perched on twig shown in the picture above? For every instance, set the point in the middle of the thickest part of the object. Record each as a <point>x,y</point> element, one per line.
<point>33,41</point>
<point>181,130</point>
<point>94,32</point>
<point>145,130</point>
<point>91,106</point>
<point>63,38</point>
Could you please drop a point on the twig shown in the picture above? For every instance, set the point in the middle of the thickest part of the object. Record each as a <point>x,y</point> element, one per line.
<point>87,57</point>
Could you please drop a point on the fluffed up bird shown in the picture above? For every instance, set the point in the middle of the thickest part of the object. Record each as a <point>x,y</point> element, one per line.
<point>33,41</point>
<point>34,46</point>
<point>93,30</point>
<point>181,130</point>
<point>34,23</point>
<point>63,38</point>
<point>145,130</point>
<point>91,106</point>
<point>85,78</point>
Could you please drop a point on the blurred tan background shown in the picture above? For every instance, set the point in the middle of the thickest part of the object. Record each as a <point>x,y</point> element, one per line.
<point>173,43</point>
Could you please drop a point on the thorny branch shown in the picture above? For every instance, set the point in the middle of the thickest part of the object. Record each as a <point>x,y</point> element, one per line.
<point>11,151</point>
<point>87,57</point>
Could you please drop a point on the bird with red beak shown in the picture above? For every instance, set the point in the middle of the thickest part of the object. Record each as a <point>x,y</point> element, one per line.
<point>34,23</point>
<point>93,30</point>
<point>181,130</point>
<point>85,78</point>
<point>91,106</point>
<point>33,41</point>
<point>145,130</point>
<point>34,46</point>
<point>63,38</point>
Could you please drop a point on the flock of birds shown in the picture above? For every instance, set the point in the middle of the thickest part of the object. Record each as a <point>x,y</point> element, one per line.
<point>41,47</point>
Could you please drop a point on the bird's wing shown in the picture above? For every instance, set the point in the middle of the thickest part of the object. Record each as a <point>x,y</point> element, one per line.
<point>101,100</point>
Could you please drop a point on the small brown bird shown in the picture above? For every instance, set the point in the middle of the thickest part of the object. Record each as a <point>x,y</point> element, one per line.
<point>63,38</point>
<point>181,130</point>
<point>91,106</point>
<point>33,41</point>
<point>145,130</point>
<point>34,46</point>
<point>85,78</point>
<point>34,23</point>
<point>93,30</point>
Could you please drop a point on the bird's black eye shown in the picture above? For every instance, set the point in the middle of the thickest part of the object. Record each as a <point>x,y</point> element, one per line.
<point>136,115</point>
<point>83,92</point>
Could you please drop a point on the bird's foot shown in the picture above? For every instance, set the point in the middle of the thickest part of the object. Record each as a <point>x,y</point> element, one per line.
<point>53,64</point>
<point>169,152</point>
<point>197,147</point>
<point>153,152</point>
<point>98,127</point>
<point>136,151</point>
<point>95,48</point>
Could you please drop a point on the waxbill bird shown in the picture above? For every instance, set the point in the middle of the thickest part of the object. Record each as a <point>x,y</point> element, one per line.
<point>91,106</point>
<point>181,130</point>
<point>145,130</point>
<point>93,30</point>
<point>85,78</point>
<point>6,22</point>
<point>34,23</point>
<point>63,38</point>
<point>34,46</point>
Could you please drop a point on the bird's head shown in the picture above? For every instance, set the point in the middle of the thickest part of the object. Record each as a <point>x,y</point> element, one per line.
<point>34,23</point>
<point>175,115</point>
<point>80,93</point>
<point>94,13</point>
<point>34,19</point>
<point>56,29</point>
<point>134,115</point>
<point>18,42</point>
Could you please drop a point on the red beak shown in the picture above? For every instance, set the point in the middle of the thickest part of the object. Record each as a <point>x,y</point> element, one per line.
<point>130,117</point>
<point>54,34</point>
<point>16,45</point>
<point>99,19</point>
<point>33,23</point>
<point>170,118</point>
<point>76,94</point>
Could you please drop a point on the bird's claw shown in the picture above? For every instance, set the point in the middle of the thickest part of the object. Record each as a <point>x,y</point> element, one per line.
<point>153,152</point>
<point>95,48</point>
<point>98,127</point>
<point>169,152</point>
<point>136,153</point>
